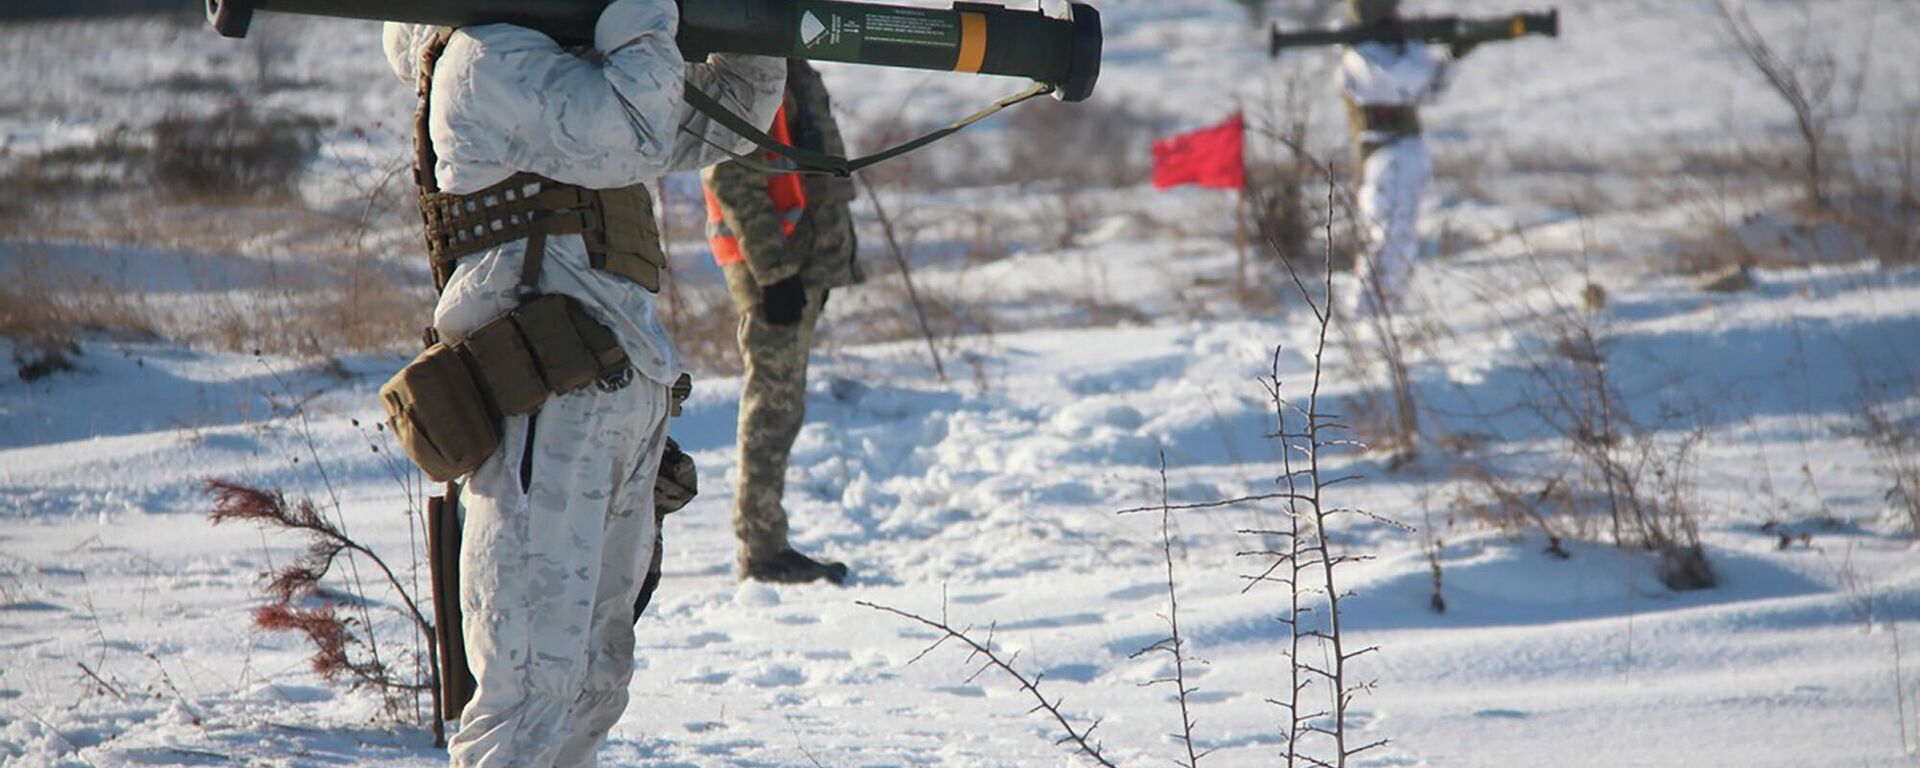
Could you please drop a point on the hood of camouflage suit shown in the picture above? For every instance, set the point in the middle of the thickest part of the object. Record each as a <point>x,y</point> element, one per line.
<point>404,43</point>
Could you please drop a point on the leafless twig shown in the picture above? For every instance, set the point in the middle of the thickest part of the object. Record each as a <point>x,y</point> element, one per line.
<point>104,685</point>
<point>1173,645</point>
<point>1080,738</point>
<point>1305,564</point>
<point>906,276</point>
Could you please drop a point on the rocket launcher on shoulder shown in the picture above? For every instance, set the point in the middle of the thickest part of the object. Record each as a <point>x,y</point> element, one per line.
<point>968,37</point>
<point>1456,31</point>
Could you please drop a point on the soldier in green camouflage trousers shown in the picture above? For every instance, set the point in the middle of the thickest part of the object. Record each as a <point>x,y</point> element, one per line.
<point>784,241</point>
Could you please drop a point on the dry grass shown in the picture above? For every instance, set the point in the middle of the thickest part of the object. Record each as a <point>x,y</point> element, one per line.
<point>219,192</point>
<point>38,308</point>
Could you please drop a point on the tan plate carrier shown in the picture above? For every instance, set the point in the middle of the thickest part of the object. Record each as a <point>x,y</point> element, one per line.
<point>1394,121</point>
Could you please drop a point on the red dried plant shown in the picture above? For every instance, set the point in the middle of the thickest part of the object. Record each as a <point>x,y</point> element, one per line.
<point>343,645</point>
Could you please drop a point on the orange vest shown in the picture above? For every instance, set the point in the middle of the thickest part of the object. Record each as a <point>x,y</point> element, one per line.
<point>789,201</point>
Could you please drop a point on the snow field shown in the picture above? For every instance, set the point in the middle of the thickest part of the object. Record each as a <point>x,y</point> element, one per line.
<point>995,495</point>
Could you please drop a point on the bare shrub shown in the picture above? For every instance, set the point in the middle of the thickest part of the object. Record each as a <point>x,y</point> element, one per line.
<point>1174,645</point>
<point>1808,77</point>
<point>1637,478</point>
<point>1279,207</point>
<point>344,646</point>
<point>1852,207</point>
<point>1871,210</point>
<point>1302,558</point>
<point>1893,437</point>
<point>233,152</point>
<point>1497,503</point>
<point>1276,187</point>
<point>1285,216</point>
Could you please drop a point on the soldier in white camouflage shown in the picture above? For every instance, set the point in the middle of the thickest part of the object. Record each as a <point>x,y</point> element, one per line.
<point>784,240</point>
<point>559,527</point>
<point>1384,85</point>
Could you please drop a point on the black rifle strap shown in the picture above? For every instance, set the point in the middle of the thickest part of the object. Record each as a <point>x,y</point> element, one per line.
<point>808,161</point>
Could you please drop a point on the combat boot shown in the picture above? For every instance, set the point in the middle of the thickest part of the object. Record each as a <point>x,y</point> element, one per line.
<point>791,567</point>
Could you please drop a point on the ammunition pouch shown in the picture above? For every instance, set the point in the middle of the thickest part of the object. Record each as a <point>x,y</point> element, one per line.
<point>445,406</point>
<point>439,414</point>
<point>617,225</point>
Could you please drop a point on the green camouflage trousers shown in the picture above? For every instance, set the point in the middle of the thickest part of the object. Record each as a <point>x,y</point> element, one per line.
<point>773,406</point>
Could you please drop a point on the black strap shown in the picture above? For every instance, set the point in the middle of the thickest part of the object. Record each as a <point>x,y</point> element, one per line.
<point>531,261</point>
<point>809,161</point>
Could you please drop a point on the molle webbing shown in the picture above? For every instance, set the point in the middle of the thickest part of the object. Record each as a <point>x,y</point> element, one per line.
<point>1396,120</point>
<point>617,225</point>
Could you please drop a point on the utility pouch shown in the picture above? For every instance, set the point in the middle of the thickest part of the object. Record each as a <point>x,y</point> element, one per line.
<point>507,366</point>
<point>566,361</point>
<point>440,415</point>
<point>678,481</point>
<point>446,405</point>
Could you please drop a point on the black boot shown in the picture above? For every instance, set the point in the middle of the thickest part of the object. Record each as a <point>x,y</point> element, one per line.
<point>790,567</point>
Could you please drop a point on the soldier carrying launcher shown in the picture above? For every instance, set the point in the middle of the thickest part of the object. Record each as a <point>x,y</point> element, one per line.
<point>1389,69</point>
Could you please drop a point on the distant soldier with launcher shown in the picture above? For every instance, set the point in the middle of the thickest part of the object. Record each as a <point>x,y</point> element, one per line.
<point>784,240</point>
<point>1390,68</point>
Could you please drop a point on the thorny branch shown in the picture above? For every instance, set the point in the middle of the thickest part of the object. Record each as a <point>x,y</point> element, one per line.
<point>1079,738</point>
<point>1173,645</point>
<point>1304,560</point>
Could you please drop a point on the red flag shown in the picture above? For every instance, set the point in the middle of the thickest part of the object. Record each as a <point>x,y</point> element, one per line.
<point>1210,157</point>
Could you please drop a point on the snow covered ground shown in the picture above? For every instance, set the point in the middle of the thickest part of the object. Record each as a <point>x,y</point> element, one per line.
<point>125,618</point>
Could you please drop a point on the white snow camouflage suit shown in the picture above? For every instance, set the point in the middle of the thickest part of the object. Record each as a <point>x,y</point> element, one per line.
<point>1394,174</point>
<point>559,523</point>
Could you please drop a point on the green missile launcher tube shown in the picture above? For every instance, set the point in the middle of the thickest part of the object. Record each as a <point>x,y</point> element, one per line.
<point>1448,30</point>
<point>969,37</point>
